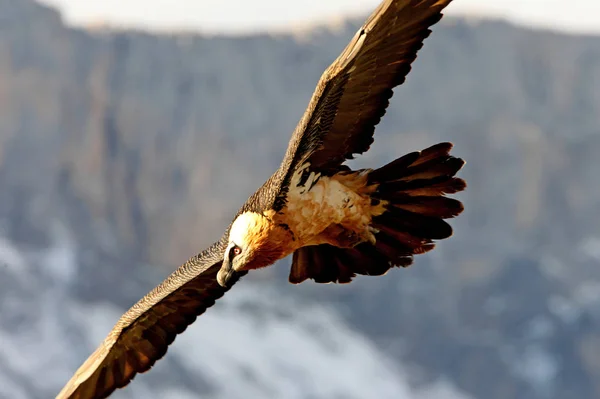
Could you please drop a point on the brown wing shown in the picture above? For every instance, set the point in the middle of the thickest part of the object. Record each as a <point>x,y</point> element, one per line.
<point>353,93</point>
<point>142,335</point>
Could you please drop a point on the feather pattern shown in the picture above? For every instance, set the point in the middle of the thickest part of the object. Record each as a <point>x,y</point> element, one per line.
<point>354,92</point>
<point>412,188</point>
<point>144,332</point>
<point>348,102</point>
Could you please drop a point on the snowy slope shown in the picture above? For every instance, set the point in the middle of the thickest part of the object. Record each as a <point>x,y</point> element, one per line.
<point>252,344</point>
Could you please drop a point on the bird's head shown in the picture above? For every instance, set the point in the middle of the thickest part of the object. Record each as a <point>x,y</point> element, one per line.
<point>255,241</point>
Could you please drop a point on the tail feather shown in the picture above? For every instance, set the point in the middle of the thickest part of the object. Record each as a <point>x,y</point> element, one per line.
<point>432,169</point>
<point>427,187</point>
<point>322,263</point>
<point>414,245</point>
<point>440,207</point>
<point>437,151</point>
<point>390,171</point>
<point>413,189</point>
<point>418,225</point>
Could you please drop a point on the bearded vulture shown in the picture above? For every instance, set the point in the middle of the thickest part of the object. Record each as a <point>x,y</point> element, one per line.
<point>335,222</point>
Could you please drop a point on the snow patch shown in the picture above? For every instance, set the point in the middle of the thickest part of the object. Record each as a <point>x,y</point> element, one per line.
<point>11,259</point>
<point>591,248</point>
<point>252,343</point>
<point>538,367</point>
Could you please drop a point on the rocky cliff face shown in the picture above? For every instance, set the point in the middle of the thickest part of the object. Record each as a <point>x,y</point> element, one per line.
<point>140,147</point>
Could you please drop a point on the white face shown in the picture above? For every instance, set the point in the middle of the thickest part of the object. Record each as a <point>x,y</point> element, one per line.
<point>247,234</point>
<point>242,228</point>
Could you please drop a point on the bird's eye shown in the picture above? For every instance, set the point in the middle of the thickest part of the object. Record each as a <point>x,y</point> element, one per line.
<point>234,251</point>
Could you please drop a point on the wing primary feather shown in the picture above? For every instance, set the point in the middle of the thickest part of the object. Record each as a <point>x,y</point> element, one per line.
<point>362,79</point>
<point>355,90</point>
<point>143,334</point>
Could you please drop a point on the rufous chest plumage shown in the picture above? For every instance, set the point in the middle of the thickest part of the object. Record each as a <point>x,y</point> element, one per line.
<point>325,209</point>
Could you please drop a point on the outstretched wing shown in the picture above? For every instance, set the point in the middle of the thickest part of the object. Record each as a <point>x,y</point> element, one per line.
<point>353,93</point>
<point>142,335</point>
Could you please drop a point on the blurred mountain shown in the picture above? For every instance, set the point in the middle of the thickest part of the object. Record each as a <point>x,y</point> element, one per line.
<point>251,346</point>
<point>124,153</point>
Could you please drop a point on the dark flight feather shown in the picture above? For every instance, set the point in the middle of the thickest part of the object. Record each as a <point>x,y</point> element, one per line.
<point>349,101</point>
<point>143,334</point>
<point>413,187</point>
<point>354,92</point>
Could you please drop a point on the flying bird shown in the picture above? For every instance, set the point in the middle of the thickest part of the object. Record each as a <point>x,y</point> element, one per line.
<point>335,222</point>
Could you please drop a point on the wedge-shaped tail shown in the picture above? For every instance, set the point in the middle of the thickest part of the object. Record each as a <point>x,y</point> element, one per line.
<point>413,190</point>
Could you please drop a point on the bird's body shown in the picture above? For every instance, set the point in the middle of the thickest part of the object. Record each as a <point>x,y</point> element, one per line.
<point>335,222</point>
<point>334,210</point>
<point>329,221</point>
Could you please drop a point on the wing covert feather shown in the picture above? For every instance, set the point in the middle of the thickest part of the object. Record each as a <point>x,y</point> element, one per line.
<point>143,334</point>
<point>354,91</point>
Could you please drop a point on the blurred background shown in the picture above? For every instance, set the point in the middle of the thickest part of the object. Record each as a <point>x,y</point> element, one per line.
<point>131,132</point>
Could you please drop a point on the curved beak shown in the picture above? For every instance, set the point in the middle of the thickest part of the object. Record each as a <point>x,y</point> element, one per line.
<point>225,274</point>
